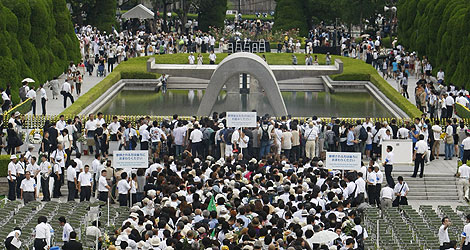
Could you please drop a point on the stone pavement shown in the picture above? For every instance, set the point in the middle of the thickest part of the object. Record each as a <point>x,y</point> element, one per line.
<point>56,106</point>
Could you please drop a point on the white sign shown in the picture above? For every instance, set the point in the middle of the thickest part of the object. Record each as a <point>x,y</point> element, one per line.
<point>343,160</point>
<point>131,159</point>
<point>241,119</point>
<point>402,151</point>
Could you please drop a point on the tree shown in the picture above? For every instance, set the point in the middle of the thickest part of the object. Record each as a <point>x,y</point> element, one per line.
<point>289,14</point>
<point>212,13</point>
<point>98,13</point>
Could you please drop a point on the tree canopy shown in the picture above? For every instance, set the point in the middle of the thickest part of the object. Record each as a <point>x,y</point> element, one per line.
<point>439,30</point>
<point>36,41</point>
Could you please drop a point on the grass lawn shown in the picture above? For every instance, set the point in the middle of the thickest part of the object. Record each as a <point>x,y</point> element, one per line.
<point>136,68</point>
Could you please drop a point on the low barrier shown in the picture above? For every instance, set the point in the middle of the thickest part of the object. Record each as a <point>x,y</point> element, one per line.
<point>38,121</point>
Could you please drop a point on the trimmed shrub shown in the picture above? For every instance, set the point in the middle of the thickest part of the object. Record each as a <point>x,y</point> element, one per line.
<point>4,160</point>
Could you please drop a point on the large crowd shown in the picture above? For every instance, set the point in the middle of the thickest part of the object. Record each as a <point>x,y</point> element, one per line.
<point>213,186</point>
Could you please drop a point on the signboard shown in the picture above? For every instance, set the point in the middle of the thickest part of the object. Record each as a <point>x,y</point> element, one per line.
<point>241,119</point>
<point>343,160</point>
<point>131,159</point>
<point>402,151</point>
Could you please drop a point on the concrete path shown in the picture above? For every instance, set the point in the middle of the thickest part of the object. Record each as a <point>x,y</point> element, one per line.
<point>56,106</point>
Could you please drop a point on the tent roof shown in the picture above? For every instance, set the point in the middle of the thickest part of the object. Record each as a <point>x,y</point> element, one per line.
<point>139,11</point>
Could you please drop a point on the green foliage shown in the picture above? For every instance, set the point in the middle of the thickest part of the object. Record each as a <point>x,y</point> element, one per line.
<point>138,75</point>
<point>439,30</point>
<point>99,13</point>
<point>462,111</point>
<point>212,13</point>
<point>23,108</point>
<point>36,41</point>
<point>289,14</point>
<point>4,160</point>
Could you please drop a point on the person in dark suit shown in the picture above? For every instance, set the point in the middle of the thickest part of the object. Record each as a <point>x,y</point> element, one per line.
<point>73,244</point>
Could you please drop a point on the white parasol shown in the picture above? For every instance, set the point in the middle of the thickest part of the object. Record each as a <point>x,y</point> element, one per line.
<point>324,236</point>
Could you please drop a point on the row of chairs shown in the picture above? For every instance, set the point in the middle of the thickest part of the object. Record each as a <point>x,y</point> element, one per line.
<point>256,47</point>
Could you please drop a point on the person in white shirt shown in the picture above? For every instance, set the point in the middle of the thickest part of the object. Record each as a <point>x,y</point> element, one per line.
<point>12,178</point>
<point>113,128</point>
<point>286,141</point>
<point>388,165</point>
<point>45,169</point>
<point>85,181</point>
<point>60,124</point>
<point>67,229</point>
<point>311,135</point>
<point>359,196</point>
<point>403,132</point>
<point>28,188</point>
<point>42,238</point>
<point>462,100</point>
<point>43,95</point>
<point>66,91</point>
<point>157,135</point>
<point>57,175</point>
<point>90,127</point>
<point>465,241</point>
<point>420,151</point>
<point>196,141</point>
<point>103,186</point>
<point>449,141</point>
<point>450,104</point>
<point>123,188</point>
<point>144,141</point>
<point>191,58</point>
<point>401,190</point>
<point>243,143</point>
<point>71,180</point>
<point>371,185</point>
<point>443,233</point>
<point>463,183</point>
<point>437,131</point>
<point>212,57</point>
<point>379,176</point>
<point>386,197</point>
<point>32,95</point>
<point>440,75</point>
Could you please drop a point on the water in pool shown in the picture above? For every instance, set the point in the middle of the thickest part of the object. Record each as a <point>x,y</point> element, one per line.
<point>186,102</point>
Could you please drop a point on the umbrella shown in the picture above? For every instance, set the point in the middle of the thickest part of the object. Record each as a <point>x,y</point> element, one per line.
<point>365,35</point>
<point>324,236</point>
<point>28,80</point>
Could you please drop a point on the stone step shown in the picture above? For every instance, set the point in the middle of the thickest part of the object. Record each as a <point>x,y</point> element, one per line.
<point>430,190</point>
<point>434,198</point>
<point>432,193</point>
<point>434,183</point>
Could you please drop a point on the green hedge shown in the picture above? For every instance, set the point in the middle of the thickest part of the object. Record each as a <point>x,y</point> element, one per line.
<point>462,112</point>
<point>138,75</point>
<point>439,30</point>
<point>23,108</point>
<point>37,40</point>
<point>4,160</point>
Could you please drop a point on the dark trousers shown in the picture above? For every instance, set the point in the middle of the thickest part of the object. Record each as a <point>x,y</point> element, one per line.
<point>405,91</point>
<point>196,148</point>
<point>372,192</point>
<point>43,105</point>
<point>33,106</point>
<point>56,189</point>
<point>103,196</point>
<point>419,161</point>
<point>388,175</point>
<point>28,196</point>
<point>85,193</point>
<point>19,178</point>
<point>378,187</point>
<point>450,111</point>
<point>67,95</point>
<point>12,190</point>
<point>123,200</point>
<point>45,189</point>
<point>466,156</point>
<point>39,243</point>
<point>144,145</point>
<point>72,189</point>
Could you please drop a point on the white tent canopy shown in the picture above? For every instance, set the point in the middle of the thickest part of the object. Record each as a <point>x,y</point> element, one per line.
<point>140,12</point>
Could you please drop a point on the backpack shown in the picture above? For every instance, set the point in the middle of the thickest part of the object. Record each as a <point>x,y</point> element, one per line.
<point>23,93</point>
<point>264,135</point>
<point>363,134</point>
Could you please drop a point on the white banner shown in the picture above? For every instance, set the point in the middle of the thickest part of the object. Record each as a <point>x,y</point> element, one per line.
<point>241,119</point>
<point>131,159</point>
<point>343,160</point>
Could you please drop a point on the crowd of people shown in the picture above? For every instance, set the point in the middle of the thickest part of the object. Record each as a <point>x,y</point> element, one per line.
<point>209,185</point>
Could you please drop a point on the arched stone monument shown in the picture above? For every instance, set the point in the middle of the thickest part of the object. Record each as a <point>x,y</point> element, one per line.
<point>234,65</point>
